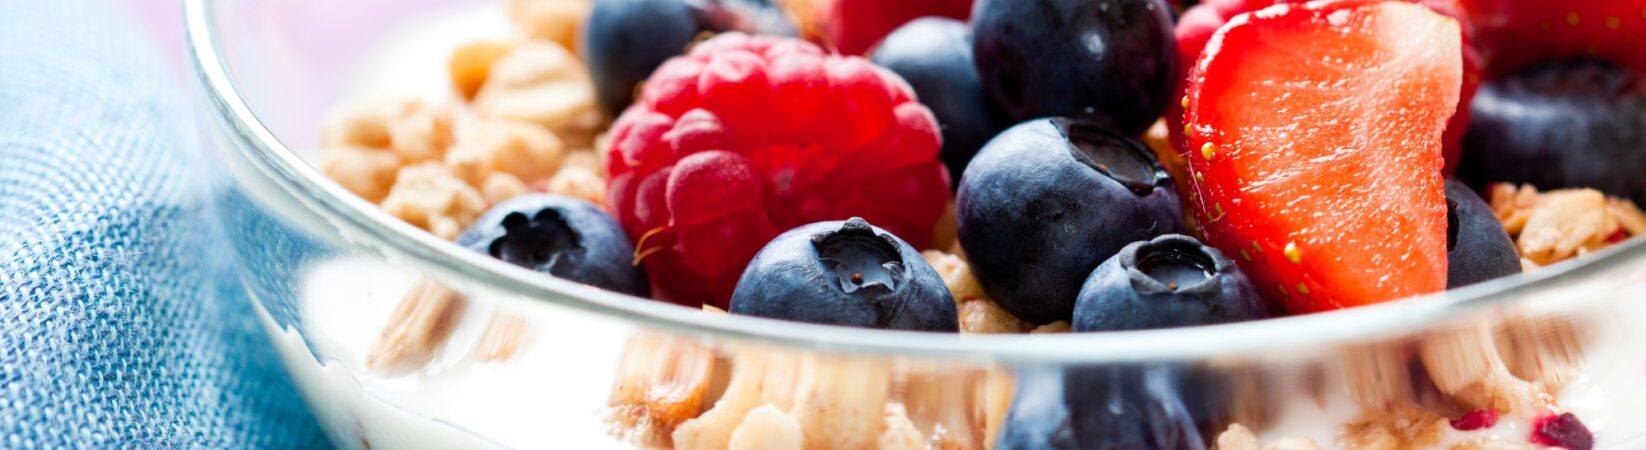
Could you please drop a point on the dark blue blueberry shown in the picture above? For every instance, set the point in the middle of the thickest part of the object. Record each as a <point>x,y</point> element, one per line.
<point>845,273</point>
<point>1170,281</point>
<point>1561,125</point>
<point>1100,407</point>
<point>561,236</point>
<point>1477,248</point>
<point>934,55</point>
<point>1110,60</point>
<point>625,40</point>
<point>1046,201</point>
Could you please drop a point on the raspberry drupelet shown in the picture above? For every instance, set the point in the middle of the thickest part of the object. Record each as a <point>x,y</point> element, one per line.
<point>748,136</point>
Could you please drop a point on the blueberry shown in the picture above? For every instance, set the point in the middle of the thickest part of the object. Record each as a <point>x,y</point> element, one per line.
<point>625,40</point>
<point>1561,125</point>
<point>1100,407</point>
<point>1046,201</point>
<point>564,237</point>
<point>1477,248</point>
<point>1110,60</point>
<point>845,273</point>
<point>934,55</point>
<point>1171,281</point>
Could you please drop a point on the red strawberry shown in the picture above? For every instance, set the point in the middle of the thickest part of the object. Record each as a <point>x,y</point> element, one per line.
<point>854,26</point>
<point>749,136</point>
<point>1199,22</point>
<point>1515,33</point>
<point>1315,139</point>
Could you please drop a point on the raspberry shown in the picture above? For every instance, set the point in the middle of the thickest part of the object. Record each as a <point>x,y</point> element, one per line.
<point>748,136</point>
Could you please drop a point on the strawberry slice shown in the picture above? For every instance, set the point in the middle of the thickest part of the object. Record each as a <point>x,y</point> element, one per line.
<point>1515,33</point>
<point>1315,138</point>
<point>1198,24</point>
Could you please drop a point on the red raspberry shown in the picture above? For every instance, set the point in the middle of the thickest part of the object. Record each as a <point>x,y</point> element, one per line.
<point>747,136</point>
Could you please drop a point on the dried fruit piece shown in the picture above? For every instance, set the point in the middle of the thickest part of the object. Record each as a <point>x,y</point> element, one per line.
<point>661,382</point>
<point>1562,430</point>
<point>1475,420</point>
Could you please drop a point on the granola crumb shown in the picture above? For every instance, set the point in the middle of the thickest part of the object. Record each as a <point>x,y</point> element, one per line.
<point>485,147</point>
<point>661,383</point>
<point>471,64</point>
<point>956,274</point>
<point>1397,428</point>
<point>767,428</point>
<point>899,432</point>
<point>367,172</point>
<point>1054,327</point>
<point>417,329</point>
<point>431,197</point>
<point>578,182</point>
<point>505,335</point>
<point>1553,226</point>
<point>559,21</point>
<point>414,129</point>
<point>982,316</point>
<point>501,186</point>
<point>1237,437</point>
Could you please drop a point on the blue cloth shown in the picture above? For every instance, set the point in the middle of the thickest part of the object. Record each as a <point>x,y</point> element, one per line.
<point>122,323</point>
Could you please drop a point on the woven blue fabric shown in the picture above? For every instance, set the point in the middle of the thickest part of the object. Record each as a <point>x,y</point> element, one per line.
<point>122,324</point>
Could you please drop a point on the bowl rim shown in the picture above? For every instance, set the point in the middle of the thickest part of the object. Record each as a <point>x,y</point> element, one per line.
<point>373,231</point>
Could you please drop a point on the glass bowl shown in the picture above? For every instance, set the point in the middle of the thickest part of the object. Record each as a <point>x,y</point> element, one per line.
<point>487,354</point>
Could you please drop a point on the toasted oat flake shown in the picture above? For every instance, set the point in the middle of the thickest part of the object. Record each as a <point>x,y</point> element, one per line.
<point>900,432</point>
<point>559,21</point>
<point>541,83</point>
<point>1054,327</point>
<point>580,183</point>
<point>1554,226</point>
<point>982,316</point>
<point>503,338</point>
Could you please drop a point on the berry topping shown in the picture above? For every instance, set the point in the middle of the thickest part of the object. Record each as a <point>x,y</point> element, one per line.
<point>1112,61</point>
<point>1564,431</point>
<point>1314,136</point>
<point>845,273</point>
<point>561,236</point>
<point>1566,124</point>
<point>1171,281</point>
<point>1479,419</point>
<point>935,56</point>
<point>625,40</point>
<point>1047,201</point>
<point>1477,247</point>
<point>1195,29</point>
<point>1517,33</point>
<point>1101,407</point>
<point>702,177</point>
<point>856,25</point>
